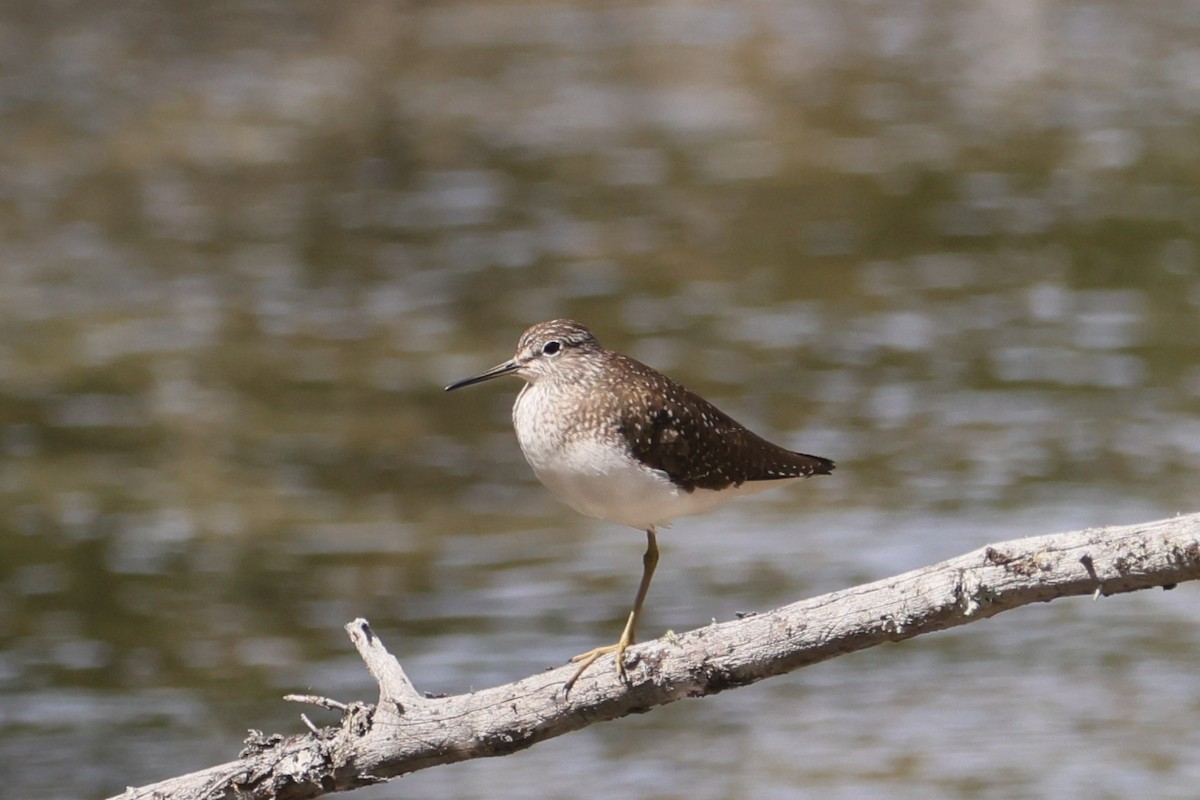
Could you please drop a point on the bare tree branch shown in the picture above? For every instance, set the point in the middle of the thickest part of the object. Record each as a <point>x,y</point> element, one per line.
<point>405,731</point>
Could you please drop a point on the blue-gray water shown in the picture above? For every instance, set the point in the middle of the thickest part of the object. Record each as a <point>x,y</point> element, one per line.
<point>950,245</point>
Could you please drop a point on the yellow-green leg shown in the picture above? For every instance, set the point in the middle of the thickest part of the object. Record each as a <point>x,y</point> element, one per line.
<point>585,660</point>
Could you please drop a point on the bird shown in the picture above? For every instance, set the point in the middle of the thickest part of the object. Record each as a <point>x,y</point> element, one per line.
<point>619,441</point>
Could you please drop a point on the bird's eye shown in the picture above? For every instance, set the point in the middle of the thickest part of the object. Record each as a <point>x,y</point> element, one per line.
<point>551,348</point>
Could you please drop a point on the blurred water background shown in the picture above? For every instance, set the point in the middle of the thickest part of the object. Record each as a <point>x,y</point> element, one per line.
<point>951,245</point>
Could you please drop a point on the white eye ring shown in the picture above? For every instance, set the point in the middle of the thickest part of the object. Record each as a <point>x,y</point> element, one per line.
<point>552,348</point>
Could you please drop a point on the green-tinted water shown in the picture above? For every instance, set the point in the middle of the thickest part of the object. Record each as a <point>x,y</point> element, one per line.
<point>951,246</point>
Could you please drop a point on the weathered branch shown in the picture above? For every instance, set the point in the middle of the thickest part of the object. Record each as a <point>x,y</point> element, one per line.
<point>405,731</point>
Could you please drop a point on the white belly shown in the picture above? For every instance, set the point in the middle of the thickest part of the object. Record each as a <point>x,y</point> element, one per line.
<point>603,481</point>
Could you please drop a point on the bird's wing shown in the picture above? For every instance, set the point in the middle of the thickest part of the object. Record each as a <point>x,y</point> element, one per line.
<point>697,445</point>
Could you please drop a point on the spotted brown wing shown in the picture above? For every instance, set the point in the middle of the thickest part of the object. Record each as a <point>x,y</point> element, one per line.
<point>696,444</point>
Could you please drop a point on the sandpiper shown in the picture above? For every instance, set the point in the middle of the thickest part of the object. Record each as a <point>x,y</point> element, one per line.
<point>619,441</point>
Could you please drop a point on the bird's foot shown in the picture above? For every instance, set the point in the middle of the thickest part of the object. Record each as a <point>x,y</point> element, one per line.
<point>585,660</point>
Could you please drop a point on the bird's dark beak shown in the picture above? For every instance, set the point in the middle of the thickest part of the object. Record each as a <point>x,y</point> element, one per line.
<point>494,372</point>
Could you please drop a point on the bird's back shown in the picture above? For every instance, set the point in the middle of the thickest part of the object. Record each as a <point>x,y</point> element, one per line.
<point>670,428</point>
